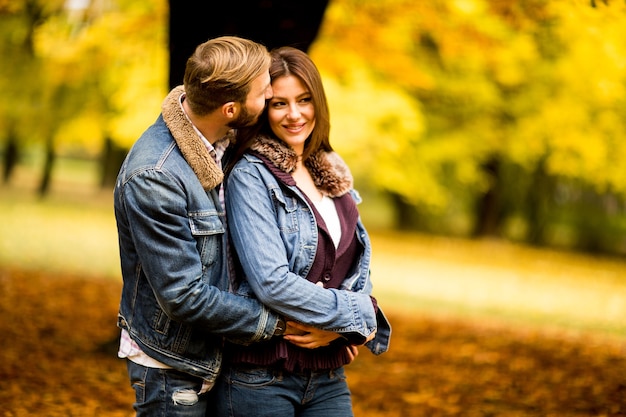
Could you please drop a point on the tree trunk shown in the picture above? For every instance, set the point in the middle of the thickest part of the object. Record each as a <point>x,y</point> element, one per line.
<point>272,23</point>
<point>536,207</point>
<point>406,216</point>
<point>11,156</point>
<point>488,210</point>
<point>110,163</point>
<point>275,23</point>
<point>46,177</point>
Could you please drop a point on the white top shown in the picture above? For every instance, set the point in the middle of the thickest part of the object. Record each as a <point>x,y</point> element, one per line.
<point>328,211</point>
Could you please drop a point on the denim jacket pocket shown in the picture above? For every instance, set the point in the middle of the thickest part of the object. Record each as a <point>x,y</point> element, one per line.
<point>203,224</point>
<point>286,210</point>
<point>208,231</point>
<point>161,322</point>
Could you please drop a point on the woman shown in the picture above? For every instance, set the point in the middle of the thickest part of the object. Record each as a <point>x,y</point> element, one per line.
<point>304,253</point>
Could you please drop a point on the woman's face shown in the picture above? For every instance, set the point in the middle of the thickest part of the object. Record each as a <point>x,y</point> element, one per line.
<point>290,112</point>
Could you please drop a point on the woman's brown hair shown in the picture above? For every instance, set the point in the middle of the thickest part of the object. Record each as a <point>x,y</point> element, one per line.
<point>291,61</point>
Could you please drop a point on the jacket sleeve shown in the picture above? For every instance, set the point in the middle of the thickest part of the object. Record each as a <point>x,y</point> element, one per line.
<point>256,237</point>
<point>154,212</point>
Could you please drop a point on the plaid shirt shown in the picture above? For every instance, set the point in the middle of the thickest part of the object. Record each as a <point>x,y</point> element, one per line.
<point>216,150</point>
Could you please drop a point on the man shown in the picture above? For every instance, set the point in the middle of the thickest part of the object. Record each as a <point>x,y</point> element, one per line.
<point>175,306</point>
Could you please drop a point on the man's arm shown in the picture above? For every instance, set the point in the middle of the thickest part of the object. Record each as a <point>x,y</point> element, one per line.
<point>166,246</point>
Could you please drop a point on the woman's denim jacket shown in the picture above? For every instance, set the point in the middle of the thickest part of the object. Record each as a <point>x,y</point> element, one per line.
<point>275,235</point>
<point>175,299</point>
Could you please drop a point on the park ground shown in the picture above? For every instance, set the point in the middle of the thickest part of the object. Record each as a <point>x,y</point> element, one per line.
<point>58,360</point>
<point>480,327</point>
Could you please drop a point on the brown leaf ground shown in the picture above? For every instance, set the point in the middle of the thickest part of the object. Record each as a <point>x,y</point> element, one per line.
<point>55,361</point>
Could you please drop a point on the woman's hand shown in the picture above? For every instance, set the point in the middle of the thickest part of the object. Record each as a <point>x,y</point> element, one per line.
<point>353,352</point>
<point>308,337</point>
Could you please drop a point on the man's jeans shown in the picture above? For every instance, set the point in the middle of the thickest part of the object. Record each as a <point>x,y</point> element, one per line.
<point>166,392</point>
<point>248,391</point>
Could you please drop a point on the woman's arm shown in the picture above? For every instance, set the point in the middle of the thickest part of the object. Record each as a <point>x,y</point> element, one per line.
<point>257,239</point>
<point>309,337</point>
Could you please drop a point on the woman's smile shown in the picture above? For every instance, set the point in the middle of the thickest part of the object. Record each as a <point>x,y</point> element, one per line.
<point>290,112</point>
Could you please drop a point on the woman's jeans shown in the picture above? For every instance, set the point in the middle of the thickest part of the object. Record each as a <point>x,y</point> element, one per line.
<point>166,392</point>
<point>264,392</point>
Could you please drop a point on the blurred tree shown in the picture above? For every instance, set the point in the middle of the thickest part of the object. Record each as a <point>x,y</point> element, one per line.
<point>134,80</point>
<point>22,104</point>
<point>569,134</point>
<point>439,53</point>
<point>100,66</point>
<point>517,100</point>
<point>273,23</point>
<point>99,63</point>
<point>470,116</point>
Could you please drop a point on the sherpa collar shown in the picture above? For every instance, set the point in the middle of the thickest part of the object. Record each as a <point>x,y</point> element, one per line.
<point>330,173</point>
<point>190,144</point>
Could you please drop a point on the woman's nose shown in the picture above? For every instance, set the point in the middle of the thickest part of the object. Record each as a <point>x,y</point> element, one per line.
<point>293,113</point>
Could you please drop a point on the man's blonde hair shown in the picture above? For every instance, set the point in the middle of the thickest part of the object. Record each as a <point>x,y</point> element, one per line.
<point>221,70</point>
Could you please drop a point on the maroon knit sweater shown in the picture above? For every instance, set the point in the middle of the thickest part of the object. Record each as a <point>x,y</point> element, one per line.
<point>330,267</point>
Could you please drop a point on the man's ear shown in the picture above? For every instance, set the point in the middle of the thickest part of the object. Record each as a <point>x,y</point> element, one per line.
<point>230,110</point>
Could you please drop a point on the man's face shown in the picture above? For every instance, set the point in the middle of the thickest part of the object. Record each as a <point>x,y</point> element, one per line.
<point>245,118</point>
<point>260,91</point>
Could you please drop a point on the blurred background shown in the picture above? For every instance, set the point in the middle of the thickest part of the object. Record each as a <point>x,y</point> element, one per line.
<point>483,133</point>
<point>464,118</point>
<point>486,137</point>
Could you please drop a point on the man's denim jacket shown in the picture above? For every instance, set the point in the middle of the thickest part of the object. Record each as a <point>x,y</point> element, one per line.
<point>175,302</point>
<point>275,234</point>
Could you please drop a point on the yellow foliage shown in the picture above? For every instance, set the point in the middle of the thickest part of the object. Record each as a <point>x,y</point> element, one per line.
<point>562,60</point>
<point>422,94</point>
<point>115,64</point>
<point>376,126</point>
<point>83,133</point>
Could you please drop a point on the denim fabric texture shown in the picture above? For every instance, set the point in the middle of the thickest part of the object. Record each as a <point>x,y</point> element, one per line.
<point>175,302</point>
<point>275,234</point>
<point>261,392</point>
<point>166,392</point>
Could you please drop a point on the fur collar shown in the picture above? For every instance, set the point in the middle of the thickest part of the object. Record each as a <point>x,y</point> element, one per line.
<point>190,144</point>
<point>330,173</point>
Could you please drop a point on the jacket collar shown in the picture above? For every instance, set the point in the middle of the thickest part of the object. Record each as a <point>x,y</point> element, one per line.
<point>190,144</point>
<point>330,173</point>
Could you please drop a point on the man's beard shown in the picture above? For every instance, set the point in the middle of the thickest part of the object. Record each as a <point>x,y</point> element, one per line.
<point>245,119</point>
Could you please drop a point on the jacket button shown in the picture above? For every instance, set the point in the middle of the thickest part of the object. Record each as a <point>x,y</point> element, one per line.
<point>327,276</point>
